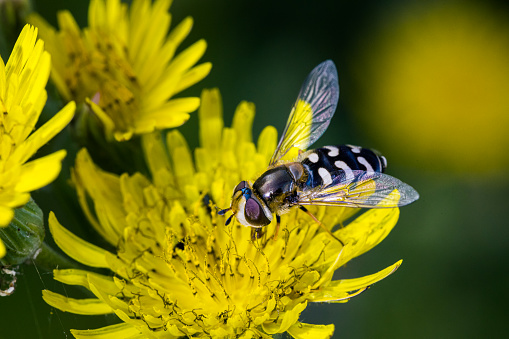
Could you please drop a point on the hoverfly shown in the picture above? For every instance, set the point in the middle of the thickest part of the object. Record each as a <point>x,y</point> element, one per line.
<point>343,175</point>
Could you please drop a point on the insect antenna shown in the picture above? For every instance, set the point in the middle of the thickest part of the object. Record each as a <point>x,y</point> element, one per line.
<point>227,222</point>
<point>223,212</point>
<point>302,208</point>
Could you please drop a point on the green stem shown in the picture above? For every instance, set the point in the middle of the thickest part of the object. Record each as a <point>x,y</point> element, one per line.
<point>50,259</point>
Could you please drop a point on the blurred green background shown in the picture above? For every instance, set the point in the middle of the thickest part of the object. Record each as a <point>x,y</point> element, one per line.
<point>424,82</point>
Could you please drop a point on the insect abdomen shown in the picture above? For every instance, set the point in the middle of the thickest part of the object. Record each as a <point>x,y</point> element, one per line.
<point>323,164</point>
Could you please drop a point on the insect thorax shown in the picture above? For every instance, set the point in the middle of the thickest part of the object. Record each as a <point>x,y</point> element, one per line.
<point>324,164</point>
<point>278,186</point>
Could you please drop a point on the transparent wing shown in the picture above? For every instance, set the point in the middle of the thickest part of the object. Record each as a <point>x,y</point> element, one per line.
<point>312,112</point>
<point>361,189</point>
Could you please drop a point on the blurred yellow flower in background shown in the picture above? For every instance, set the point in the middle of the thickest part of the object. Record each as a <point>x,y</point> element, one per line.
<point>125,65</point>
<point>179,271</point>
<point>22,97</point>
<point>434,89</point>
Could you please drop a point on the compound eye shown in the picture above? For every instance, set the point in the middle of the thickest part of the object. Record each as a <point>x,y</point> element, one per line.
<point>253,212</point>
<point>240,186</point>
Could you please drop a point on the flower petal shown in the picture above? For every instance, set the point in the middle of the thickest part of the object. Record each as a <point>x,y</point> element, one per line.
<point>2,249</point>
<point>114,303</point>
<point>82,278</point>
<point>368,230</point>
<point>6,215</point>
<point>290,317</point>
<point>30,177</point>
<point>181,157</point>
<point>46,132</point>
<point>361,235</point>
<point>75,247</point>
<point>91,306</point>
<point>105,193</point>
<point>181,31</point>
<point>243,121</point>
<point>171,114</point>
<point>108,123</point>
<point>193,76</point>
<point>310,331</point>
<point>142,326</point>
<point>172,76</point>
<point>157,159</point>
<point>121,330</point>
<point>211,119</point>
<point>267,142</point>
<point>343,290</point>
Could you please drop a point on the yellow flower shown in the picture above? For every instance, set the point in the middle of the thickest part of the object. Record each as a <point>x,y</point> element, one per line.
<point>125,66</point>
<point>179,271</point>
<point>437,80</point>
<point>22,98</point>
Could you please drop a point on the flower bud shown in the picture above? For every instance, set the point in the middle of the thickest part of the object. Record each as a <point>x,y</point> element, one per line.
<point>24,235</point>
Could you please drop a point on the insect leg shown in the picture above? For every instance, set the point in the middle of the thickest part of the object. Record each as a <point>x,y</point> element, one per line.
<point>304,209</point>
<point>256,233</point>
<point>278,222</point>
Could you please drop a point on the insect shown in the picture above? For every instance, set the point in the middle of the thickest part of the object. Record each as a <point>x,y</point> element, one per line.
<point>343,175</point>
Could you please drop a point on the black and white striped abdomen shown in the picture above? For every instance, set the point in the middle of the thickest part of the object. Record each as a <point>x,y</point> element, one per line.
<point>322,163</point>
